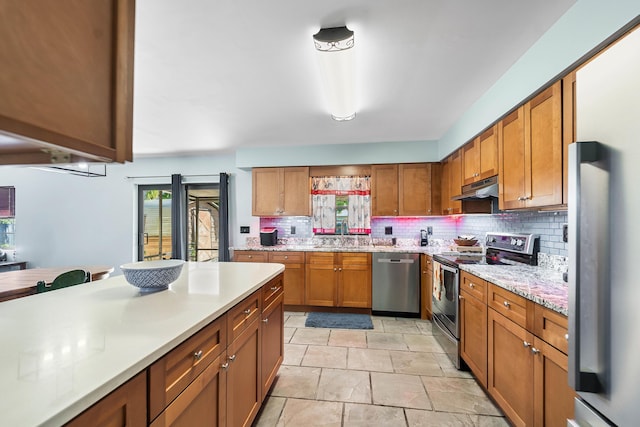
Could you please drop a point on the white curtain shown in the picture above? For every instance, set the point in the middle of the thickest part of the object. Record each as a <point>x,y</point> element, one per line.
<point>323,194</point>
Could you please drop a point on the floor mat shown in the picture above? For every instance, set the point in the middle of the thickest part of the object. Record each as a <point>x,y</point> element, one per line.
<point>339,321</point>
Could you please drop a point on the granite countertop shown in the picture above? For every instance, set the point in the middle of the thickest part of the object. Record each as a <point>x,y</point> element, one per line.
<point>65,350</point>
<point>541,285</point>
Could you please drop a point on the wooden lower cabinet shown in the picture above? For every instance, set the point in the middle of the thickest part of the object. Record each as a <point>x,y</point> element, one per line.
<point>217,377</point>
<point>244,391</point>
<point>293,275</point>
<point>510,379</point>
<point>272,339</point>
<point>473,335</point>
<point>426,286</point>
<point>125,406</point>
<point>341,279</point>
<point>527,376</point>
<point>203,402</point>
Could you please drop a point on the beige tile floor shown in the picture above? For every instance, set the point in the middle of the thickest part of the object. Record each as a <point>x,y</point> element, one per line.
<point>393,375</point>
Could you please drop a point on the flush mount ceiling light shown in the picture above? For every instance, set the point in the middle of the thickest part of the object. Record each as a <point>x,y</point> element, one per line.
<point>335,55</point>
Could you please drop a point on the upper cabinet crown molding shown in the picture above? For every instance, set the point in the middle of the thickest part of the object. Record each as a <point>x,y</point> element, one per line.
<point>67,81</point>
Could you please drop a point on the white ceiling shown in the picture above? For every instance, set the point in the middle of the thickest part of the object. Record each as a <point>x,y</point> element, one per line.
<point>214,75</point>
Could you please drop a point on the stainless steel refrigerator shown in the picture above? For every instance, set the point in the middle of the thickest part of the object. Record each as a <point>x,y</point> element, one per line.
<point>604,239</point>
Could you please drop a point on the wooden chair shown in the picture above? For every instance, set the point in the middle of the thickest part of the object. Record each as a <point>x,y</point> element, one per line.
<point>69,278</point>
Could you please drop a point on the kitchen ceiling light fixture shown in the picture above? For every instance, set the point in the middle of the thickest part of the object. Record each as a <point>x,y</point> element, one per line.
<point>335,55</point>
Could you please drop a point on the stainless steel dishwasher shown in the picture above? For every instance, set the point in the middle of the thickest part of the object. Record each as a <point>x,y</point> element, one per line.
<point>396,284</point>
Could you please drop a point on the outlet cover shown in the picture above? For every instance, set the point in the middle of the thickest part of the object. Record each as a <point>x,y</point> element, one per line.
<point>293,229</point>
<point>388,230</point>
<point>429,231</point>
<point>565,233</point>
<point>244,229</point>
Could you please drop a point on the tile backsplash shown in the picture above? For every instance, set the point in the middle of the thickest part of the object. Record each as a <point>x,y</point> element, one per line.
<point>548,225</point>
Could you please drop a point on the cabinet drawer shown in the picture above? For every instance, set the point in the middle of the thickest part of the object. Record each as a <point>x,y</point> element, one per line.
<point>323,258</point>
<point>243,314</point>
<point>250,256</point>
<point>287,257</point>
<point>357,258</point>
<point>510,305</point>
<point>474,286</point>
<point>271,291</point>
<point>552,327</point>
<point>171,374</point>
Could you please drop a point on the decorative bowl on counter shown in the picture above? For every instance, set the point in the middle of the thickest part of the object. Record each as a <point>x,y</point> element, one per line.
<point>465,242</point>
<point>151,276</point>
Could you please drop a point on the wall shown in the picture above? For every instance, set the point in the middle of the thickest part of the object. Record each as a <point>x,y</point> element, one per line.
<point>68,220</point>
<point>548,225</point>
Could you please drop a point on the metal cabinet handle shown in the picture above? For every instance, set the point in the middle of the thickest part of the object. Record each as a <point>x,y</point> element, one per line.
<point>506,304</point>
<point>534,350</point>
<point>265,320</point>
<point>197,355</point>
<point>460,297</point>
<point>225,366</point>
<point>247,311</point>
<point>340,269</point>
<point>471,285</point>
<point>286,257</point>
<point>526,344</point>
<point>274,288</point>
<point>232,358</point>
<point>566,337</point>
<point>335,269</point>
<point>249,256</point>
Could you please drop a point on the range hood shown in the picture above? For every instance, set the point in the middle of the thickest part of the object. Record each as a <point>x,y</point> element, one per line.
<point>479,190</point>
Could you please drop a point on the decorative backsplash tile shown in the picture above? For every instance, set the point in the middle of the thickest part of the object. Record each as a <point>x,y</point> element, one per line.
<point>406,230</point>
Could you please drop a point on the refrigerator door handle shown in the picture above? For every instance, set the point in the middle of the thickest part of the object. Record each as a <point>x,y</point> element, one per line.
<point>587,262</point>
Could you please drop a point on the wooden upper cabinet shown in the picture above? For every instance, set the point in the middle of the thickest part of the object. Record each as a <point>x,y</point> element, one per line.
<point>67,81</point>
<point>406,189</point>
<point>281,192</point>
<point>480,157</point>
<point>384,190</point>
<point>530,141</point>
<point>568,128</point>
<point>543,137</point>
<point>451,184</point>
<point>417,183</point>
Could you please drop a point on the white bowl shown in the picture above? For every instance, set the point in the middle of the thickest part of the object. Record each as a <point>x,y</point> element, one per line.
<point>150,276</point>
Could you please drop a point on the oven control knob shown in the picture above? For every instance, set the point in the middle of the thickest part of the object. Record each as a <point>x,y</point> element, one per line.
<point>513,241</point>
<point>519,242</point>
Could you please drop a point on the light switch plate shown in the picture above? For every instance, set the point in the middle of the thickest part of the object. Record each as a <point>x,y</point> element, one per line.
<point>388,230</point>
<point>565,233</point>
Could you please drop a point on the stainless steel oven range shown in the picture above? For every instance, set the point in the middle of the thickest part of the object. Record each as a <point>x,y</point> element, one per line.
<point>500,249</point>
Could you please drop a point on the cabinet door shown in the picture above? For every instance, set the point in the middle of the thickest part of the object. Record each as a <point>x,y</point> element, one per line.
<point>293,275</point>
<point>354,281</point>
<point>568,128</point>
<point>266,191</point>
<point>553,398</point>
<point>125,406</point>
<point>471,162</point>
<point>455,181</point>
<point>488,142</point>
<point>414,189</point>
<point>321,279</point>
<point>272,342</point>
<point>512,160</point>
<point>426,285</point>
<point>296,192</point>
<point>384,190</point>
<point>543,133</point>
<point>510,368</point>
<point>473,335</point>
<point>203,402</point>
<point>67,79</point>
<point>244,380</point>
<point>445,187</point>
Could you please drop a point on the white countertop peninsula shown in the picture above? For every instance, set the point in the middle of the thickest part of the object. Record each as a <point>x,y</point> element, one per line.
<point>63,351</point>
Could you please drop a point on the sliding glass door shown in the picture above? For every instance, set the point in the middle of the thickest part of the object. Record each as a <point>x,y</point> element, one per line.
<point>160,217</point>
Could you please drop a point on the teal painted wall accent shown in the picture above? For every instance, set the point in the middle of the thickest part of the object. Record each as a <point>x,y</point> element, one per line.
<point>580,29</point>
<point>339,154</point>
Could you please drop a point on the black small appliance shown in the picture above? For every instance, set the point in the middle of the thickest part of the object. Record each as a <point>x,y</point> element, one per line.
<point>424,240</point>
<point>269,236</point>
